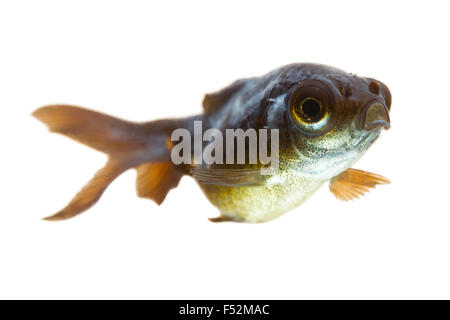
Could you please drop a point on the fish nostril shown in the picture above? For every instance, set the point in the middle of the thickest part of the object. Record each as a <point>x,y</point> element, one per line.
<point>374,87</point>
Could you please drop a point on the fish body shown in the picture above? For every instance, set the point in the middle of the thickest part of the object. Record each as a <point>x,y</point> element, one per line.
<point>283,192</point>
<point>325,120</point>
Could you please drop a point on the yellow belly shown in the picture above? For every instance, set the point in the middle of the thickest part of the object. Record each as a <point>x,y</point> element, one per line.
<point>281,193</point>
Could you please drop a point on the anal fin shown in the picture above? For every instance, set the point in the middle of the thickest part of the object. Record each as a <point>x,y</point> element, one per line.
<point>154,180</point>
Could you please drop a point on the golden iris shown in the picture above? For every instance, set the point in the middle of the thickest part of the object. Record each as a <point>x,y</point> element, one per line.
<point>310,113</point>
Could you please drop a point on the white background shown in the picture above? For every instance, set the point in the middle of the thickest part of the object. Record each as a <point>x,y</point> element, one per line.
<point>143,60</point>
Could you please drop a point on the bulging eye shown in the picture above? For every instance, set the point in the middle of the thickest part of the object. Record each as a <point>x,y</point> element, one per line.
<point>311,109</point>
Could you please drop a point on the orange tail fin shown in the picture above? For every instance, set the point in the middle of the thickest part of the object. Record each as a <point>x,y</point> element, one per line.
<point>128,145</point>
<point>97,130</point>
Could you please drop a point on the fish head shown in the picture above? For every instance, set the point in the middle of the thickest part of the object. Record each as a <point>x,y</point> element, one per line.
<point>334,117</point>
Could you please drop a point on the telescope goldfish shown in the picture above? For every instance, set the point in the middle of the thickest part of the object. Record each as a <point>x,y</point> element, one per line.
<point>324,118</point>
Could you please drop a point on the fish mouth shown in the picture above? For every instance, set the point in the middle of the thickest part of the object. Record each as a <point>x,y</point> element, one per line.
<point>373,116</point>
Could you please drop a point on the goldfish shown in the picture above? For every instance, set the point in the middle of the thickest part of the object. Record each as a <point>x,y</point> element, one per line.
<point>322,121</point>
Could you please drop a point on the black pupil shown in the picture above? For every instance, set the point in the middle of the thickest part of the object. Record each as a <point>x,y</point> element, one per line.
<point>311,109</point>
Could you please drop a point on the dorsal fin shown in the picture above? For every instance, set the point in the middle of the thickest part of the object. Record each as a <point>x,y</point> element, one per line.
<point>213,102</point>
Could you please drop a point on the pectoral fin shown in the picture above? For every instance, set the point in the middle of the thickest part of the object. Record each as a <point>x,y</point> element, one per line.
<point>353,183</point>
<point>228,177</point>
